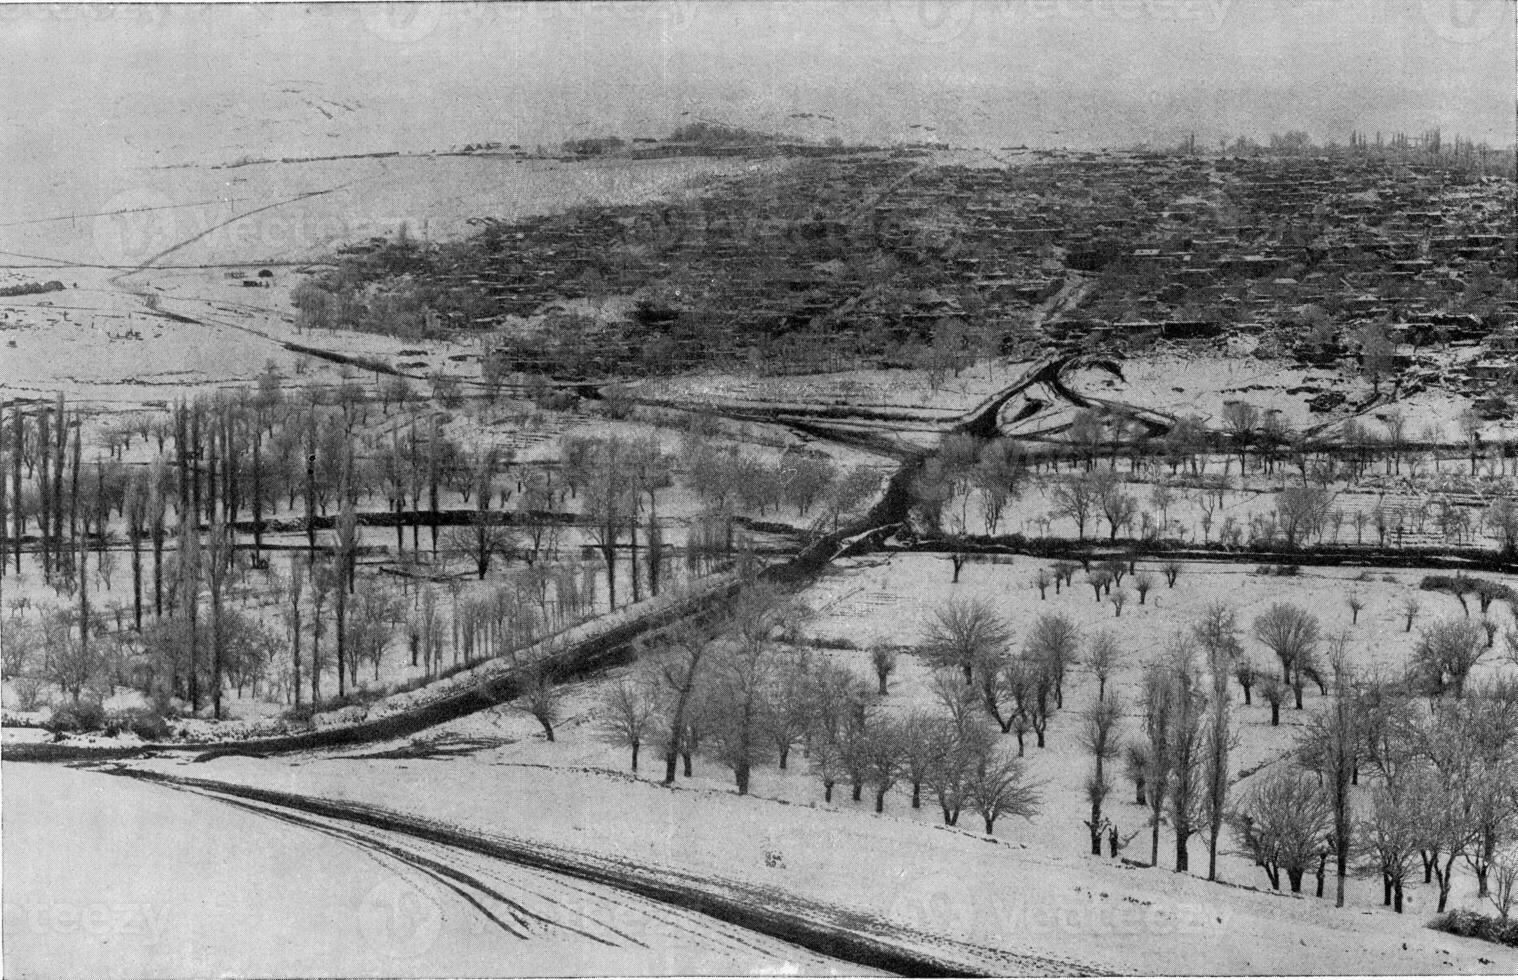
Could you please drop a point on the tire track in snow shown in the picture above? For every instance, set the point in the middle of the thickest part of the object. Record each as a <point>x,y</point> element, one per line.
<point>814,926</point>
<point>464,875</point>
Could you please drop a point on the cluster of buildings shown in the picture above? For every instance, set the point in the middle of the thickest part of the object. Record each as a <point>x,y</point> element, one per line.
<point>852,256</point>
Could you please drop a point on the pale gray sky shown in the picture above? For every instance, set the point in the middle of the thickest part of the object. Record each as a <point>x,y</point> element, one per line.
<point>166,84</point>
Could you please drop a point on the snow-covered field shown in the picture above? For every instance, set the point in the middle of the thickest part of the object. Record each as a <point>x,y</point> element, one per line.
<point>1029,898</point>
<point>110,878</point>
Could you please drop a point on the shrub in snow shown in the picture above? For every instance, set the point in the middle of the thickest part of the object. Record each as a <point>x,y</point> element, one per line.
<point>146,725</point>
<point>77,716</point>
<point>1461,922</point>
<point>351,715</point>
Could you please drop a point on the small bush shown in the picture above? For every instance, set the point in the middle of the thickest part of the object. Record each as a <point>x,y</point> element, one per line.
<point>28,692</point>
<point>147,725</point>
<point>1283,570</point>
<point>300,713</point>
<point>828,643</point>
<point>1462,922</point>
<point>1365,576</point>
<point>557,401</point>
<point>77,716</point>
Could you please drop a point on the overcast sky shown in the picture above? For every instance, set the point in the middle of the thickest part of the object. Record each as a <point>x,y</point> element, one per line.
<point>169,84</point>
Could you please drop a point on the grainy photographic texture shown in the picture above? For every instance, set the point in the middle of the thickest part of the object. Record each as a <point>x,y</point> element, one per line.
<point>924,487</point>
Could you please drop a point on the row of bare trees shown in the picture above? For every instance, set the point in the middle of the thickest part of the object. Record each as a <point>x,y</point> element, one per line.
<point>731,689</point>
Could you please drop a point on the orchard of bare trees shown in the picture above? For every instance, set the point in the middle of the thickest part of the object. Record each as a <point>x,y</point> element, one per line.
<point>304,545</point>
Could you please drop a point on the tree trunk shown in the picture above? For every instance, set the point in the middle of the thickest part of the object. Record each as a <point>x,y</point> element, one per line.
<point>135,530</point>
<point>827,791</point>
<point>635,755</point>
<point>880,800</point>
<point>1294,875</point>
<point>671,759</point>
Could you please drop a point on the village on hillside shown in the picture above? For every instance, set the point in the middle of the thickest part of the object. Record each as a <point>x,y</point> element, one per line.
<point>1026,527</point>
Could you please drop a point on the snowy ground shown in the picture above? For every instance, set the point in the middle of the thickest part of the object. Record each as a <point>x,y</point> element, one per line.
<point>1027,899</point>
<point>110,878</point>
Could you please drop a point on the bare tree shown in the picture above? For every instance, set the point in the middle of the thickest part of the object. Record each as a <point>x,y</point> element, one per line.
<point>735,706</point>
<point>1292,633</point>
<point>1274,692</point>
<point>1388,839</point>
<point>678,668</point>
<point>1119,599</point>
<point>542,699</point>
<point>1159,718</point>
<point>1118,508</point>
<point>1187,750</point>
<point>1136,767</point>
<point>963,633</point>
<point>1100,724</point>
<point>883,659</point>
<point>790,710</point>
<point>1445,654</point>
<point>627,714</point>
<point>1240,420</point>
<point>1054,642</point>
<point>1283,822</point>
<point>1356,602</point>
<point>1244,673</point>
<point>1410,609</point>
<point>882,752</point>
<point>1504,883</point>
<point>1171,570</point>
<point>997,786</point>
<point>1103,656</point>
<point>1076,497</point>
<point>1329,746</point>
<point>1218,634</point>
<point>1041,582</point>
<point>923,737</point>
<point>1143,583</point>
<point>1300,512</point>
<point>961,745</point>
